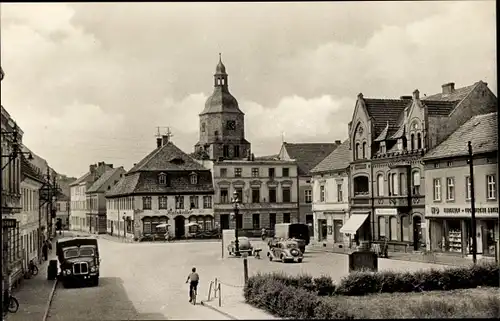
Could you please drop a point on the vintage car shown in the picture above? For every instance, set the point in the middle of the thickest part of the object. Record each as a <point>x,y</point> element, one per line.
<point>243,244</point>
<point>284,250</point>
<point>78,260</point>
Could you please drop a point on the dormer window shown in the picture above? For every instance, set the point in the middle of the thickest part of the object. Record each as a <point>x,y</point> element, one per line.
<point>193,178</point>
<point>400,144</point>
<point>162,179</point>
<point>382,147</point>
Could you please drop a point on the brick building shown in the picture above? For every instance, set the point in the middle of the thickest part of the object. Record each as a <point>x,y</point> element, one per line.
<point>388,138</point>
<point>448,185</point>
<point>166,187</point>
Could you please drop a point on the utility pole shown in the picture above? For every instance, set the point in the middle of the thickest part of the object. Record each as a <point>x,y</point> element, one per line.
<point>473,205</point>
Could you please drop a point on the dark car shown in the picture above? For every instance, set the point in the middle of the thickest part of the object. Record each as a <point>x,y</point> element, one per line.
<point>78,260</point>
<point>287,250</point>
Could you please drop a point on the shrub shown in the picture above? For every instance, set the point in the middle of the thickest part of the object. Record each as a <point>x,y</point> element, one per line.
<point>324,285</point>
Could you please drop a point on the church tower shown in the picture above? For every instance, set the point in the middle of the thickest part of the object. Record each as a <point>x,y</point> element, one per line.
<point>222,123</point>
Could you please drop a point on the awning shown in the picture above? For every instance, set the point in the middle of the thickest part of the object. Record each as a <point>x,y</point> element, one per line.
<point>354,223</point>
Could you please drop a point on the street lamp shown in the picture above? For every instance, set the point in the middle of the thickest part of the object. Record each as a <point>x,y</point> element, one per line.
<point>236,203</point>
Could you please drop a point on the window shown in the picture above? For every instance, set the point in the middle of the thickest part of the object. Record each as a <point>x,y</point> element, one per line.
<point>146,226</point>
<point>194,179</point>
<point>380,185</point>
<point>402,185</point>
<point>437,189</point>
<point>271,172</point>
<point>467,188</point>
<point>272,220</point>
<point>393,225</point>
<point>237,172</point>
<point>223,172</point>
<point>491,188</point>
<point>405,228</point>
<point>272,195</point>
<point>256,221</point>
<point>322,193</point>
<point>162,179</point>
<point>286,195</point>
<point>382,148</point>
<point>381,227</point>
<point>239,192</point>
<point>356,152</point>
<point>225,151</point>
<point>395,185</point>
<point>364,150</point>
<point>146,203</point>
<point>255,195</point>
<point>179,202</point>
<point>193,201</point>
<point>203,127</point>
<point>412,141</point>
<point>400,144</point>
<point>286,217</point>
<point>286,172</point>
<point>419,141</point>
<point>339,193</point>
<point>207,201</point>
<point>416,183</point>
<point>236,151</point>
<point>162,202</point>
<point>255,172</point>
<point>224,196</point>
<point>308,196</point>
<point>450,188</point>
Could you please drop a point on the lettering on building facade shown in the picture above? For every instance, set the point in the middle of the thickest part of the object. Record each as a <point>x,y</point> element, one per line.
<point>466,210</point>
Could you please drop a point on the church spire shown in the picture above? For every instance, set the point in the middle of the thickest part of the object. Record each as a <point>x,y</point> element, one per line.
<point>220,77</point>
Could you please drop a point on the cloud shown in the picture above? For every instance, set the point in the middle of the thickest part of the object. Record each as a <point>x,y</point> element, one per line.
<point>90,82</point>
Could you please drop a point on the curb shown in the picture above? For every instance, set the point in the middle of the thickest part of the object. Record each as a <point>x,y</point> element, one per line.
<point>46,314</point>
<point>204,303</point>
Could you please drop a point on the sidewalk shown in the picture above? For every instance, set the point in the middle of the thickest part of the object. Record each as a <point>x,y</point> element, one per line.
<point>34,294</point>
<point>435,258</point>
<point>233,305</point>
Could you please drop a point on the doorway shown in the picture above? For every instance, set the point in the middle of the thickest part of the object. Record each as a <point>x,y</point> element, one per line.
<point>310,222</point>
<point>180,228</point>
<point>323,230</point>
<point>417,232</point>
<point>224,221</point>
<point>337,235</point>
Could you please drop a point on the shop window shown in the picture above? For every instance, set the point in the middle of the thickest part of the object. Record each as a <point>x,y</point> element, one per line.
<point>454,236</point>
<point>489,236</point>
<point>193,228</point>
<point>146,226</point>
<point>393,225</point>
<point>491,187</point>
<point>381,228</point>
<point>256,221</point>
<point>405,228</point>
<point>201,223</point>
<point>437,189</point>
<point>450,189</point>
<point>380,185</point>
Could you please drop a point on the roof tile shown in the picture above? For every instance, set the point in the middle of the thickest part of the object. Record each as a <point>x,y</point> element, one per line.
<point>308,155</point>
<point>385,111</point>
<point>98,184</point>
<point>338,159</point>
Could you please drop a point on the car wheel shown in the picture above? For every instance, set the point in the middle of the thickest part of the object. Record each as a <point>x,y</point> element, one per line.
<point>270,257</point>
<point>283,259</point>
<point>299,260</point>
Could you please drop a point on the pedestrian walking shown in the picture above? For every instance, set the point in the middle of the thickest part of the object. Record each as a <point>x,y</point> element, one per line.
<point>45,250</point>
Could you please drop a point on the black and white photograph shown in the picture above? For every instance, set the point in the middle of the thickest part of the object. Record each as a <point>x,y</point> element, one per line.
<point>249,160</point>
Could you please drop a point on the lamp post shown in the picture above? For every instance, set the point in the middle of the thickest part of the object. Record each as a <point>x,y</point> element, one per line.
<point>236,203</point>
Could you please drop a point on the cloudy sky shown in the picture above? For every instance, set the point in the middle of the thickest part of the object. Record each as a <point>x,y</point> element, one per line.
<point>90,82</point>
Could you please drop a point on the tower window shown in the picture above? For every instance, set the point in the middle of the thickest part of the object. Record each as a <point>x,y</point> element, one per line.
<point>225,151</point>
<point>222,81</point>
<point>203,127</point>
<point>237,151</point>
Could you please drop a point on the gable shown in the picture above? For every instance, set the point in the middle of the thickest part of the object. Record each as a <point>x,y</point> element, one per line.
<point>360,114</point>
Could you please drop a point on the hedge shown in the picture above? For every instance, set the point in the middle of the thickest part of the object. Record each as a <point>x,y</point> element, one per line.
<point>361,283</point>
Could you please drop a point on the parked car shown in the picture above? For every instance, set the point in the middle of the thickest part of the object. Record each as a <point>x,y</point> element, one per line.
<point>244,246</point>
<point>287,250</point>
<point>79,260</point>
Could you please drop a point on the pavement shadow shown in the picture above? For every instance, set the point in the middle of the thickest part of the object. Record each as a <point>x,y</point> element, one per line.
<point>108,301</point>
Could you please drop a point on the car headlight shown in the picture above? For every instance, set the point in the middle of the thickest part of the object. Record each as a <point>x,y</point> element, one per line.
<point>294,252</point>
<point>92,269</point>
<point>68,272</point>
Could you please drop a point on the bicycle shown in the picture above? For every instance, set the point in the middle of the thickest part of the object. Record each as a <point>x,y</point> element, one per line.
<point>193,296</point>
<point>32,270</point>
<point>10,303</point>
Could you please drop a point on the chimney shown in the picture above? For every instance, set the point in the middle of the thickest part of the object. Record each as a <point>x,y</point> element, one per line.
<point>416,94</point>
<point>338,142</point>
<point>253,157</point>
<point>165,139</point>
<point>360,96</point>
<point>405,97</point>
<point>92,168</point>
<point>158,142</point>
<point>448,88</point>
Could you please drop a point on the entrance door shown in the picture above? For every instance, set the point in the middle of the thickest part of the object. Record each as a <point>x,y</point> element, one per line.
<point>417,232</point>
<point>224,221</point>
<point>310,222</point>
<point>180,230</point>
<point>337,235</point>
<point>322,230</point>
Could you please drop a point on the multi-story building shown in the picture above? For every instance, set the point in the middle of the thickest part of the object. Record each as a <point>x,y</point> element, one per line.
<point>449,190</point>
<point>63,200</point>
<point>306,155</point>
<point>79,214</point>
<point>222,123</point>
<point>331,197</point>
<point>96,201</point>
<point>267,191</point>
<point>166,187</point>
<point>388,138</point>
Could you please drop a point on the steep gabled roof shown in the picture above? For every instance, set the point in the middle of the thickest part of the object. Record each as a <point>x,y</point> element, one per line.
<point>385,111</point>
<point>167,158</point>
<point>338,159</point>
<point>481,130</point>
<point>126,185</point>
<point>457,95</point>
<point>308,155</point>
<point>101,181</point>
<point>81,179</point>
<point>28,170</point>
<point>439,108</point>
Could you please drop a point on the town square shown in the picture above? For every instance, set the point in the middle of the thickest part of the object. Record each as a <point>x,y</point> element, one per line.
<point>225,160</point>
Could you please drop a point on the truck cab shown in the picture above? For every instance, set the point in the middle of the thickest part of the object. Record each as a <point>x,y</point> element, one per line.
<point>78,260</point>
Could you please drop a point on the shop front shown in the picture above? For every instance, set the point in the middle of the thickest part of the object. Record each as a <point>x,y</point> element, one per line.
<point>357,228</point>
<point>450,229</point>
<point>328,225</point>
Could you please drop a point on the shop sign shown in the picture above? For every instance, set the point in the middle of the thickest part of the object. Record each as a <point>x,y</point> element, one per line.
<point>465,210</point>
<point>386,211</point>
<point>9,223</point>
